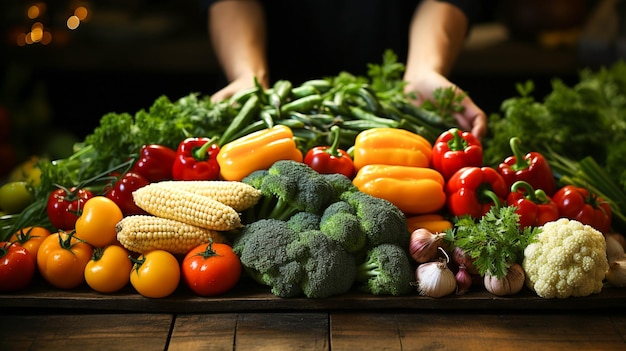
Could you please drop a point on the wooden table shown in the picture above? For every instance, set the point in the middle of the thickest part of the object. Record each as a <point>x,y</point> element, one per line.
<point>253,319</point>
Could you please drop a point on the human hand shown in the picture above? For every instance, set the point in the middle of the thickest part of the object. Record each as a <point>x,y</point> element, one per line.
<point>472,118</point>
<point>236,85</point>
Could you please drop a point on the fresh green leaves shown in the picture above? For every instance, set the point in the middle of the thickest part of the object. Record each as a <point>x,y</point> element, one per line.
<point>495,241</point>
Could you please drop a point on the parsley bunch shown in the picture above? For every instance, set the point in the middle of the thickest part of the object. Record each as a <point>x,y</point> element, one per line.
<point>495,241</point>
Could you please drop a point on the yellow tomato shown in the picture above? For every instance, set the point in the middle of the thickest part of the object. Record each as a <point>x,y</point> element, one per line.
<point>31,238</point>
<point>61,260</point>
<point>96,224</point>
<point>155,274</point>
<point>109,269</point>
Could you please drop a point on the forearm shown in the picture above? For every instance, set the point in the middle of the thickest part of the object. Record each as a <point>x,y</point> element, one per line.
<point>237,33</point>
<point>436,37</point>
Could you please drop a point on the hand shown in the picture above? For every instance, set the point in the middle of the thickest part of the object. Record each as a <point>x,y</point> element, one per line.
<point>236,85</point>
<point>472,118</point>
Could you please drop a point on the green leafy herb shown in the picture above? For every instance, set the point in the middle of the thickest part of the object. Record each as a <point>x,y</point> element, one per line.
<point>495,241</point>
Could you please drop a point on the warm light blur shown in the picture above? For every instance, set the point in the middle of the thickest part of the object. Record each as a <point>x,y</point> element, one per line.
<point>33,12</point>
<point>73,22</point>
<point>46,38</point>
<point>81,12</point>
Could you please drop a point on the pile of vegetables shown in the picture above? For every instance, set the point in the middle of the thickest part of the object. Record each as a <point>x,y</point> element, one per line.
<point>340,183</point>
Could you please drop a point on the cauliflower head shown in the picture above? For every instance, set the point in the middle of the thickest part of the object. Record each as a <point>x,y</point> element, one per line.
<point>567,259</point>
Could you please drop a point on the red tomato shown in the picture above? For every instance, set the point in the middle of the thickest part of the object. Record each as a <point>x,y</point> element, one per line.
<point>211,269</point>
<point>96,224</point>
<point>155,274</point>
<point>31,238</point>
<point>61,260</point>
<point>64,206</point>
<point>122,193</point>
<point>17,267</point>
<point>579,204</point>
<point>109,269</point>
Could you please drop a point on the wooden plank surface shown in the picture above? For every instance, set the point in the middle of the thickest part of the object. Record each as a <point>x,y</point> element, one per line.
<point>67,332</point>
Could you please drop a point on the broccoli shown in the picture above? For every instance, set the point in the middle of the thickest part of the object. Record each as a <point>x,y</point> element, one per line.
<point>294,263</point>
<point>387,270</point>
<point>340,183</point>
<point>340,223</point>
<point>381,221</point>
<point>289,187</point>
<point>303,221</point>
<point>328,268</point>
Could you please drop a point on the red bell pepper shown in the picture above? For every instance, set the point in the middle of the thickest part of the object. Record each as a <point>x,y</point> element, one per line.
<point>532,168</point>
<point>455,149</point>
<point>534,207</point>
<point>196,159</point>
<point>474,190</point>
<point>330,159</point>
<point>155,163</point>
<point>580,204</point>
<point>122,193</point>
<point>64,206</point>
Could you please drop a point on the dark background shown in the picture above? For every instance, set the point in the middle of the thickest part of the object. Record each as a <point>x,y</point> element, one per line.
<point>129,52</point>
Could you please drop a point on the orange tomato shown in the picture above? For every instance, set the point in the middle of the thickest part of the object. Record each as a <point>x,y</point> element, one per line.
<point>31,238</point>
<point>96,224</point>
<point>155,274</point>
<point>109,269</point>
<point>61,260</point>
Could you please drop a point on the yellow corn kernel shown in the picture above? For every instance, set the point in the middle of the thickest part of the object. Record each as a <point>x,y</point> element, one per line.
<point>143,233</point>
<point>237,195</point>
<point>171,203</point>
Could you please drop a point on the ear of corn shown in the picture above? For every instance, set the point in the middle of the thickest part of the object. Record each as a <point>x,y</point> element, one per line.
<point>237,195</point>
<point>143,233</point>
<point>161,200</point>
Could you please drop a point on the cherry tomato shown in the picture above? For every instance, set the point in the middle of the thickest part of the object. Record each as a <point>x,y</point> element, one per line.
<point>155,274</point>
<point>122,193</point>
<point>64,206</point>
<point>15,196</point>
<point>211,269</point>
<point>17,267</point>
<point>31,238</point>
<point>96,225</point>
<point>109,269</point>
<point>61,260</point>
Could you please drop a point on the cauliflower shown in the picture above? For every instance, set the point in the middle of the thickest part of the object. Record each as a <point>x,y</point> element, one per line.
<point>567,259</point>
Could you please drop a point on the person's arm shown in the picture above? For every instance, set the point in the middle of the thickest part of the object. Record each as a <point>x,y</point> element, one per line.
<point>237,33</point>
<point>436,37</point>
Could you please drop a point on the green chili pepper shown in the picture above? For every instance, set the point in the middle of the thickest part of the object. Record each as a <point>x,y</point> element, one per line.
<point>304,104</point>
<point>243,118</point>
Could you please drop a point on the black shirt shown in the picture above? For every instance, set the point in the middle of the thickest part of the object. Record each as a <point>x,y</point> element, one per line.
<point>315,39</point>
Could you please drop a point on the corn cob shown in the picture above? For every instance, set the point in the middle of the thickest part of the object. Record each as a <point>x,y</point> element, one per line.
<point>184,206</point>
<point>142,233</point>
<point>237,195</point>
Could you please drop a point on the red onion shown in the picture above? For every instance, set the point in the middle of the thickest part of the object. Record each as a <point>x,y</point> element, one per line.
<point>461,258</point>
<point>463,280</point>
<point>423,245</point>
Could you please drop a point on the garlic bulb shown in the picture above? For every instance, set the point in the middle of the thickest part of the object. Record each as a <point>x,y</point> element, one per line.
<point>435,279</point>
<point>510,284</point>
<point>616,275</point>
<point>614,249</point>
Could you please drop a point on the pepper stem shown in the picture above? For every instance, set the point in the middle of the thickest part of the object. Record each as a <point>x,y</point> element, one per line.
<point>457,143</point>
<point>200,153</point>
<point>520,159</point>
<point>537,196</point>
<point>333,150</point>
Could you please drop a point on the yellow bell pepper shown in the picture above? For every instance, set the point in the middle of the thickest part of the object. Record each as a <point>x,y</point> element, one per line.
<point>391,146</point>
<point>434,222</point>
<point>255,151</point>
<point>414,190</point>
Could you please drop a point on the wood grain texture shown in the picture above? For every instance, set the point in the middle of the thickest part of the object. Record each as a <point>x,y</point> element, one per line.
<point>66,332</point>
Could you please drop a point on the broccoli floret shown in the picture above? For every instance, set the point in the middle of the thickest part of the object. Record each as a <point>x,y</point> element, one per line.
<point>340,183</point>
<point>387,270</point>
<point>328,268</point>
<point>303,221</point>
<point>289,187</point>
<point>381,221</point>
<point>262,249</point>
<point>340,222</point>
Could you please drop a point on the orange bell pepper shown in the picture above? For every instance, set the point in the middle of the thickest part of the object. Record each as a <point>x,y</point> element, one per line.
<point>255,151</point>
<point>414,190</point>
<point>434,222</point>
<point>391,146</point>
